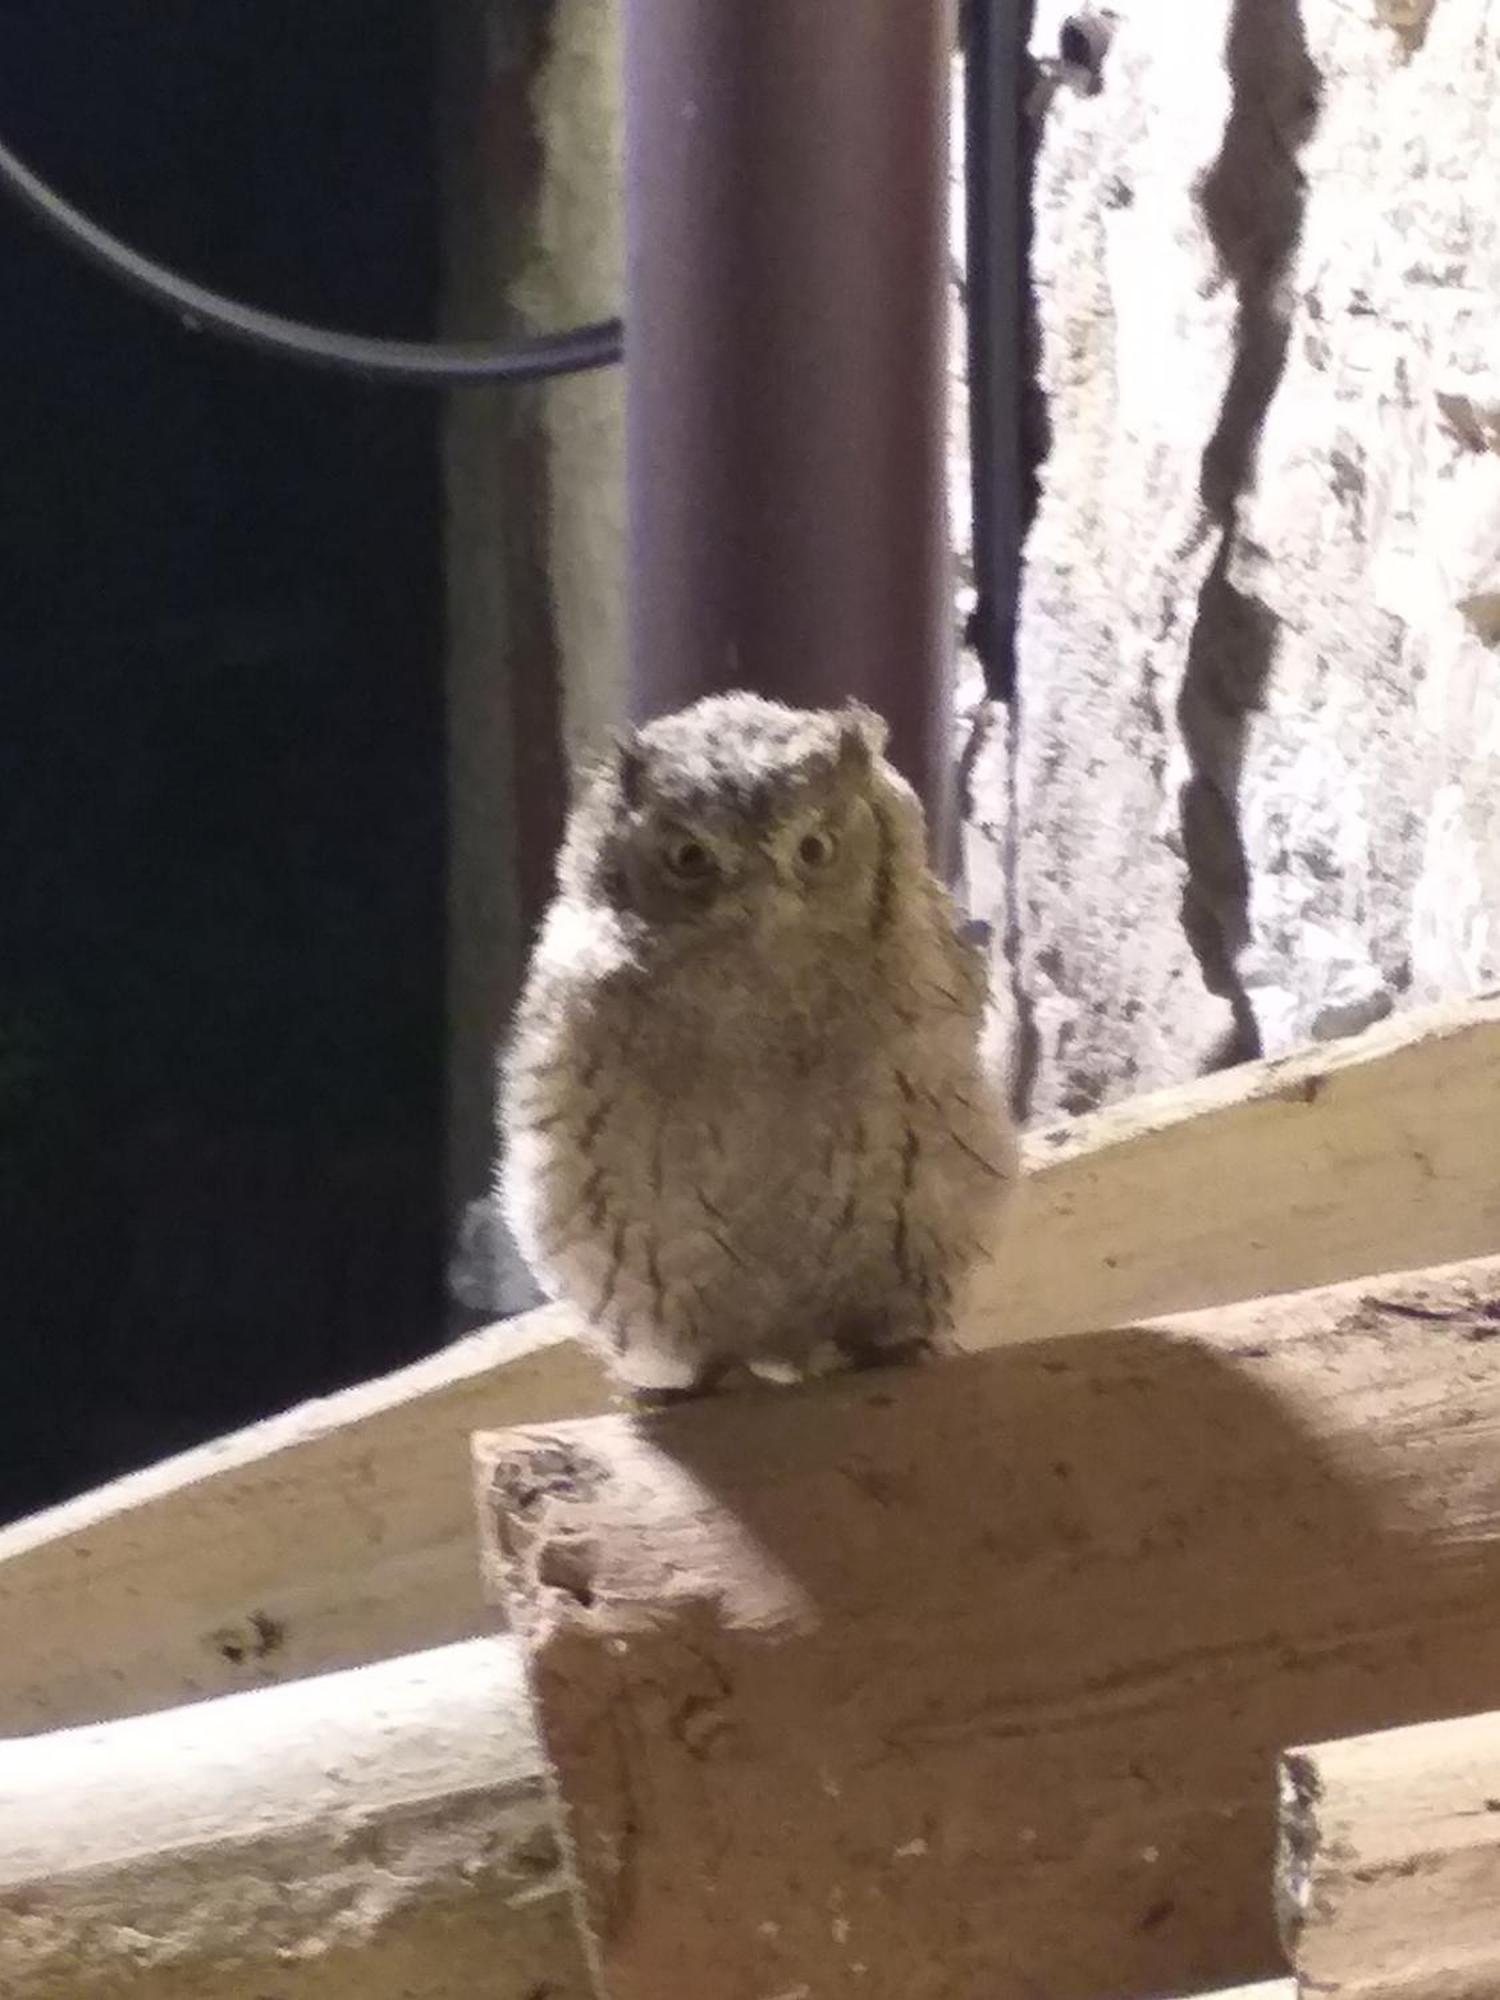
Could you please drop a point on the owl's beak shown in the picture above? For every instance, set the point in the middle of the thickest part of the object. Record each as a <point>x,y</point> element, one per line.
<point>780,905</point>
<point>775,905</point>
<point>770,904</point>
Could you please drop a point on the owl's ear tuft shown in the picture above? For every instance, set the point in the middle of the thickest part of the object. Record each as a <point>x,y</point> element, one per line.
<point>862,738</point>
<point>627,760</point>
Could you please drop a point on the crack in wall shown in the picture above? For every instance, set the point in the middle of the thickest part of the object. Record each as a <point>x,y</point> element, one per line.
<point>1252,202</point>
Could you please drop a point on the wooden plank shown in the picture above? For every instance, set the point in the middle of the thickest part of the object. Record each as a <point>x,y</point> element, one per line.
<point>974,1677</point>
<point>385,1833</point>
<point>1389,1871</point>
<point>336,1534</point>
<point>1271,1989</point>
<point>1379,1153</point>
<point>342,1531</point>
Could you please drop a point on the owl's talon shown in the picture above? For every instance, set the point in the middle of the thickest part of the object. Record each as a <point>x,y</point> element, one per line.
<point>664,1395</point>
<point>860,1354</point>
<point>782,1373</point>
<point>666,1399</point>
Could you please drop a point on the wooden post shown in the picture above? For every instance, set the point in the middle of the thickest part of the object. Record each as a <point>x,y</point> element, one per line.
<point>1389,1875</point>
<point>972,1678</point>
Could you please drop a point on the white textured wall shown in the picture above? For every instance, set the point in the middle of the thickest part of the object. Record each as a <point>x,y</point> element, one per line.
<point>1252,795</point>
<point>1257,776</point>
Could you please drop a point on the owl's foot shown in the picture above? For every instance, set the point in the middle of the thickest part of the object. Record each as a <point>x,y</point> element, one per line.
<point>826,1358</point>
<point>782,1373</point>
<point>867,1348</point>
<point>665,1395</point>
<point>666,1399</point>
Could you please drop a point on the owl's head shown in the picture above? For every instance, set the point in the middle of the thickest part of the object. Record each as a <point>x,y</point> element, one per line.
<point>742,812</point>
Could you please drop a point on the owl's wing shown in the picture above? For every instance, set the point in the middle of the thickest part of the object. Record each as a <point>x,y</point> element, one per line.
<point>965,965</point>
<point>570,1005</point>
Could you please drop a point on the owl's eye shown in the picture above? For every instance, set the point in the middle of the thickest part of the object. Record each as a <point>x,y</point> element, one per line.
<point>689,859</point>
<point>816,850</point>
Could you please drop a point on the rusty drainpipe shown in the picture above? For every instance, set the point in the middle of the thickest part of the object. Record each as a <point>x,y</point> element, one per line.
<point>786,300</point>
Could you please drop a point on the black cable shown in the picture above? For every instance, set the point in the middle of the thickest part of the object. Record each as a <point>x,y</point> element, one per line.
<point>434,366</point>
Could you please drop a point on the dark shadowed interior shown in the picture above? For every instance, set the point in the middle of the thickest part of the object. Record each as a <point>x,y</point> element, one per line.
<point>221,755</point>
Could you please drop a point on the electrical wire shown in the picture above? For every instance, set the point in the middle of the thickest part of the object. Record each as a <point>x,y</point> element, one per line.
<point>435,366</point>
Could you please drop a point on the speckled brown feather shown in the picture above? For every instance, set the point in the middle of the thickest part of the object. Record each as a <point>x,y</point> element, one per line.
<point>744,1109</point>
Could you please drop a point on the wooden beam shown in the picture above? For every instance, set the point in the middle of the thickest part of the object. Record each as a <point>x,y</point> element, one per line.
<point>384,1833</point>
<point>1378,1153</point>
<point>341,1531</point>
<point>1389,1873</point>
<point>974,1677</point>
<point>1272,1989</point>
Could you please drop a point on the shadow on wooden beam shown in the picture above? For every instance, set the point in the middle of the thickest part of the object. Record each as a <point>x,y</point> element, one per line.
<point>973,1677</point>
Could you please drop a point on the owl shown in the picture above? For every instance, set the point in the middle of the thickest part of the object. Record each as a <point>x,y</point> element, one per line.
<point>745,1116</point>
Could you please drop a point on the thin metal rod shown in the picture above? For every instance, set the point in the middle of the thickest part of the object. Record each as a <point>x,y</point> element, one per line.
<point>994,81</point>
<point>786,206</point>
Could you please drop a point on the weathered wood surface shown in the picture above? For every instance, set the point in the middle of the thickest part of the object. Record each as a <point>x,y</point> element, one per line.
<point>1389,1873</point>
<point>1271,1989</point>
<point>1380,1153</point>
<point>384,1833</point>
<point>972,1678</point>
<point>339,1533</point>
<point>342,1531</point>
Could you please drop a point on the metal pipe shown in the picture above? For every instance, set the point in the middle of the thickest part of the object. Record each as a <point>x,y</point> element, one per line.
<point>786,213</point>
<point>996,172</point>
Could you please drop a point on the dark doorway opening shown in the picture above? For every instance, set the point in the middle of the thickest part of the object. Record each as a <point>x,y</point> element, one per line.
<point>221,737</point>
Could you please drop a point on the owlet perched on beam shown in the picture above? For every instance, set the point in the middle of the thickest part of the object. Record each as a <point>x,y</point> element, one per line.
<point>745,1114</point>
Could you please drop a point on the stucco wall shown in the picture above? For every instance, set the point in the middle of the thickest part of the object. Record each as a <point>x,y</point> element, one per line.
<point>1258,763</point>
